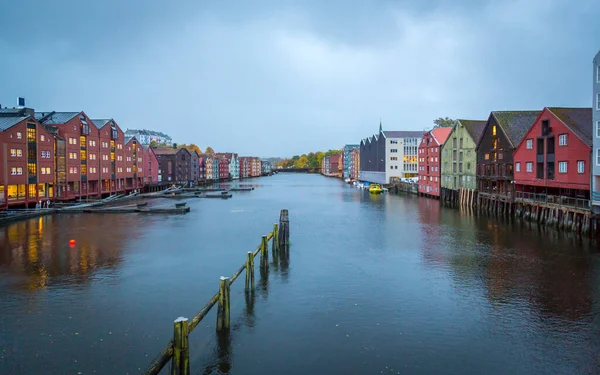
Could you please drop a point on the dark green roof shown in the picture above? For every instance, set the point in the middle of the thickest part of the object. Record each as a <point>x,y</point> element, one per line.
<point>475,128</point>
<point>579,120</point>
<point>515,124</point>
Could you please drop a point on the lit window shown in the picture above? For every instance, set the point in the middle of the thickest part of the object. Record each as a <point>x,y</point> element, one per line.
<point>518,167</point>
<point>580,166</point>
<point>562,140</point>
<point>530,144</point>
<point>42,138</point>
<point>494,130</point>
<point>487,157</point>
<point>13,152</point>
<point>562,167</point>
<point>19,135</point>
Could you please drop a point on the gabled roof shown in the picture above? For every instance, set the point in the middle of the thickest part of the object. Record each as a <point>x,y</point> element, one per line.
<point>101,123</point>
<point>579,120</point>
<point>55,118</point>
<point>597,58</point>
<point>8,122</point>
<point>475,128</point>
<point>165,150</point>
<point>515,124</point>
<point>441,134</point>
<point>402,134</point>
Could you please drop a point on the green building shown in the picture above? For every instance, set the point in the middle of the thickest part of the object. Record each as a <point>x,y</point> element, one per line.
<point>459,158</point>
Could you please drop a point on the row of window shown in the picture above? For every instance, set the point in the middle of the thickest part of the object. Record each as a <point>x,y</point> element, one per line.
<point>430,178</point>
<point>431,159</point>
<point>17,152</point>
<point>562,166</point>
<point>433,169</point>
<point>463,178</point>
<point>433,149</point>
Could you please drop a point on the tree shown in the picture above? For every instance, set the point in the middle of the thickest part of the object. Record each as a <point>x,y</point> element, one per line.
<point>193,147</point>
<point>446,122</point>
<point>153,143</point>
<point>174,145</point>
<point>302,162</point>
<point>209,150</point>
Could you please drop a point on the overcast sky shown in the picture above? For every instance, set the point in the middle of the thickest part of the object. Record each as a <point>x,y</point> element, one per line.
<point>277,78</point>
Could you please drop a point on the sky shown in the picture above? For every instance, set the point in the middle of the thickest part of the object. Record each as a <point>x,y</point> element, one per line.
<point>278,77</point>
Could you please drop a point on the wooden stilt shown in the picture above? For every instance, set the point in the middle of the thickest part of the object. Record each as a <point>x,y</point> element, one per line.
<point>180,363</point>
<point>223,317</point>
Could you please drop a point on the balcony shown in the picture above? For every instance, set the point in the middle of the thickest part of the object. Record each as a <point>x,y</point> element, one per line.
<point>561,201</point>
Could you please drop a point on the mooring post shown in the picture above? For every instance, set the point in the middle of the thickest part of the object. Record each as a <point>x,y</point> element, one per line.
<point>264,253</point>
<point>284,230</point>
<point>180,364</point>
<point>250,271</point>
<point>223,306</point>
<point>275,237</point>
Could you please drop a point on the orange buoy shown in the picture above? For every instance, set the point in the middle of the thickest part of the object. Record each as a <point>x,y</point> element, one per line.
<point>72,242</point>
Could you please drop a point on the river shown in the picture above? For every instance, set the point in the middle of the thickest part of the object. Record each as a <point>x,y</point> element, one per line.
<point>374,285</point>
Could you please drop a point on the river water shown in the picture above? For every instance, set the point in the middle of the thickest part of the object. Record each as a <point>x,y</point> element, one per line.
<point>373,285</point>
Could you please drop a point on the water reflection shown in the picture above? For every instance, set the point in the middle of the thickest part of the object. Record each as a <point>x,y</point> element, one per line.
<point>36,252</point>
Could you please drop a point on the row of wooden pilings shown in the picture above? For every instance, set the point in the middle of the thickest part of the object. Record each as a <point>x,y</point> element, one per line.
<point>178,351</point>
<point>561,218</point>
<point>460,197</point>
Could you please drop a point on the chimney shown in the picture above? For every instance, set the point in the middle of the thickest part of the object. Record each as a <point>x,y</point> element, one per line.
<point>20,102</point>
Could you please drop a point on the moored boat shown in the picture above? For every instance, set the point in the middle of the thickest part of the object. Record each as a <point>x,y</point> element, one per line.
<point>375,189</point>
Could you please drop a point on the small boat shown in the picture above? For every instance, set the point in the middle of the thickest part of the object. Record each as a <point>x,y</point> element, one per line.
<point>375,189</point>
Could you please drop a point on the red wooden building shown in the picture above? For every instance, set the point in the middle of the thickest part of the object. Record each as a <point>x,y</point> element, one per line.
<point>429,161</point>
<point>150,165</point>
<point>552,161</point>
<point>27,174</point>
<point>77,161</point>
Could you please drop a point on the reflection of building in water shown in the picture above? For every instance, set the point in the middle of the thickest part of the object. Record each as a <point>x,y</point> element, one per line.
<point>34,252</point>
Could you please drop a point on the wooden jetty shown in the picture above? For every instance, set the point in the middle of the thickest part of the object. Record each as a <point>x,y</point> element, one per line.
<point>24,214</point>
<point>127,210</point>
<point>242,189</point>
<point>177,350</point>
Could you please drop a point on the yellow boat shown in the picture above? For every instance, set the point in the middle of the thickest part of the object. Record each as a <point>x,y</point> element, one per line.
<point>375,189</point>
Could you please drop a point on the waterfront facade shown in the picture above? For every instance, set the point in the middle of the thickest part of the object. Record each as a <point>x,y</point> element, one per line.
<point>503,131</point>
<point>347,160</point>
<point>145,137</point>
<point>150,165</point>
<point>596,135</point>
<point>209,167</point>
<point>27,173</point>
<point>232,162</point>
<point>388,156</point>
<point>552,161</point>
<point>355,169</point>
<point>429,156</point>
<point>459,156</point>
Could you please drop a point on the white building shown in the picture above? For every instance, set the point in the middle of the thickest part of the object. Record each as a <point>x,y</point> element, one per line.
<point>389,156</point>
<point>145,137</point>
<point>596,122</point>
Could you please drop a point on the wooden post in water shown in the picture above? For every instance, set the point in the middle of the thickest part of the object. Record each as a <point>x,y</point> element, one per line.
<point>180,364</point>
<point>284,230</point>
<point>275,237</point>
<point>264,253</point>
<point>250,272</point>
<point>223,306</point>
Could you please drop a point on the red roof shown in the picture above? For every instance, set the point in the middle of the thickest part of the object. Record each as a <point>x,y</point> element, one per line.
<point>441,134</point>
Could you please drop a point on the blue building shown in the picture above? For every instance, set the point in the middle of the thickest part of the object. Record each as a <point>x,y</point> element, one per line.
<point>347,161</point>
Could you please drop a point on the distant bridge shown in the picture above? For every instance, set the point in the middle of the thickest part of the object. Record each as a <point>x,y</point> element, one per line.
<point>298,170</point>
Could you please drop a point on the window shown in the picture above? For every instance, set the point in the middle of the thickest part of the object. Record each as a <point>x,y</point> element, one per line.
<point>19,135</point>
<point>597,104</point>
<point>72,170</point>
<point>393,142</point>
<point>92,143</point>
<point>92,156</point>
<point>598,129</point>
<point>487,157</point>
<point>580,166</point>
<point>529,166</point>
<point>394,150</point>
<point>562,140</point>
<point>393,158</point>
<point>501,155</point>
<point>92,170</point>
<point>518,167</point>
<point>494,130</point>
<point>530,144</point>
<point>562,167</point>
<point>105,157</point>
<point>598,156</point>
<point>72,141</point>
<point>16,152</point>
<point>42,138</point>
